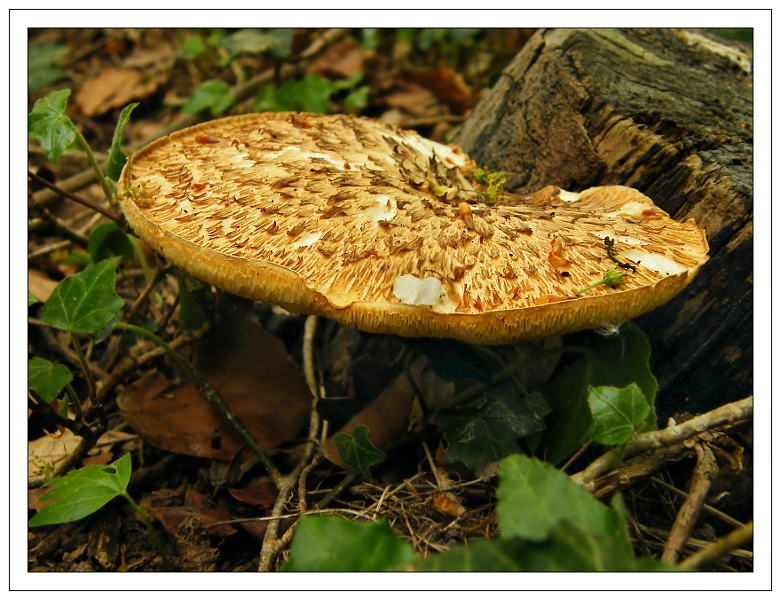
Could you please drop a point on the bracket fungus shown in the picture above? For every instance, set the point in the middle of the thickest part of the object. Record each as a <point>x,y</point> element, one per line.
<point>383,230</point>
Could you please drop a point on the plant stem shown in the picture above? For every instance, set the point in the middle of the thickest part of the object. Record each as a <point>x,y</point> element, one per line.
<point>95,167</point>
<point>84,365</point>
<point>148,522</point>
<point>210,394</point>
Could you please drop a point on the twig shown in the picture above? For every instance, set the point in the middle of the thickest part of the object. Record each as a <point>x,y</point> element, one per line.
<point>729,414</point>
<point>713,552</point>
<point>706,507</point>
<point>272,544</point>
<point>704,473</point>
<point>71,196</point>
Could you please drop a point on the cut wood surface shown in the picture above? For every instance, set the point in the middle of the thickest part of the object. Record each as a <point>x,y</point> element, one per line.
<point>670,113</point>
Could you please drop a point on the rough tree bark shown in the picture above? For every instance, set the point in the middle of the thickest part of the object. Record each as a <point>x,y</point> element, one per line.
<point>669,113</point>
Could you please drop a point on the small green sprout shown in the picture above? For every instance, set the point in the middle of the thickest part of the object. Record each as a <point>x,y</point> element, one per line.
<point>613,277</point>
<point>493,182</point>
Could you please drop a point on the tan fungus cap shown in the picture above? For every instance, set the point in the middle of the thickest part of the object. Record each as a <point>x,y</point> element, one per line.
<point>380,229</point>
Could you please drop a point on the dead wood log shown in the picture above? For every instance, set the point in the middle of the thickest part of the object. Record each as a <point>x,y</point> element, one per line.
<point>670,113</point>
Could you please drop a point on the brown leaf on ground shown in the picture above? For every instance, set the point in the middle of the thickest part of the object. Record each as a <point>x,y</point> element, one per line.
<point>250,369</point>
<point>261,492</point>
<point>340,61</point>
<point>387,416</point>
<point>52,451</point>
<point>40,284</point>
<point>411,97</point>
<point>141,73</point>
<point>446,84</point>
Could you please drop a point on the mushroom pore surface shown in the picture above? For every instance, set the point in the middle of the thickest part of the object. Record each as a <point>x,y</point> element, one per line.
<point>380,229</point>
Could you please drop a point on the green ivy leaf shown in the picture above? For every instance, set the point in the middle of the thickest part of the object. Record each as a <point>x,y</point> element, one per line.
<point>117,158</point>
<point>43,65</point>
<point>534,496</point>
<point>256,41</point>
<point>213,94</point>
<point>358,98</point>
<point>85,302</point>
<point>82,492</point>
<point>571,547</point>
<point>490,427</point>
<point>31,300</point>
<point>370,38</point>
<point>192,47</point>
<point>357,449</point>
<point>49,124</point>
<point>109,239</point>
<point>325,543</point>
<point>617,361</point>
<point>46,379</point>
<point>77,257</point>
<point>617,413</point>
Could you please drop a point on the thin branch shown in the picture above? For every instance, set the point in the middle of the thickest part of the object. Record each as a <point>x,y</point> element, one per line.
<point>713,552</point>
<point>729,414</point>
<point>70,196</point>
<point>704,473</point>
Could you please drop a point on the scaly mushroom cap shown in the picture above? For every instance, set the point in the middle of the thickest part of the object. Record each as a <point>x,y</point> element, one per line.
<point>380,229</point>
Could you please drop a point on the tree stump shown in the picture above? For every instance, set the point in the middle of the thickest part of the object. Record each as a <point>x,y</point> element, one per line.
<point>669,113</point>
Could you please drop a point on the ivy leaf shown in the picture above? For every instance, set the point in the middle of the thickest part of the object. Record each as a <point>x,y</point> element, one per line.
<point>490,427</point>
<point>117,158</point>
<point>357,450</point>
<point>534,496</point>
<point>325,543</point>
<point>213,94</point>
<point>358,98</point>
<point>615,361</point>
<point>109,239</point>
<point>43,65</point>
<point>571,547</point>
<point>85,302</point>
<point>82,492</point>
<point>49,124</point>
<point>256,41</point>
<point>617,413</point>
<point>46,379</point>
<point>192,47</point>
<point>31,300</point>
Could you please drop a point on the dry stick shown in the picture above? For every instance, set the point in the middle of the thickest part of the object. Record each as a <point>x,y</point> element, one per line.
<point>272,544</point>
<point>73,197</point>
<point>240,92</point>
<point>713,552</point>
<point>704,473</point>
<point>729,414</point>
<point>707,507</point>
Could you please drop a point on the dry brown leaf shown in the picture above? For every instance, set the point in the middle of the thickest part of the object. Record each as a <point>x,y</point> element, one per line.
<point>339,61</point>
<point>411,97</point>
<point>387,416</point>
<point>261,493</point>
<point>40,285</point>
<point>46,450</point>
<point>448,505</point>
<point>250,369</point>
<point>446,84</point>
